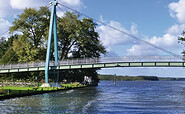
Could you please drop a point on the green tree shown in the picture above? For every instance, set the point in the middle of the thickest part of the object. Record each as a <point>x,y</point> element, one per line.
<point>89,45</point>
<point>7,54</point>
<point>182,41</point>
<point>33,25</point>
<point>78,37</point>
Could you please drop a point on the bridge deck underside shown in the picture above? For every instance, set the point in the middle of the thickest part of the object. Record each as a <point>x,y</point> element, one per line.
<point>97,65</point>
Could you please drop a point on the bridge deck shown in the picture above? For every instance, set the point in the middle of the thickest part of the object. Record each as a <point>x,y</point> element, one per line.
<point>96,65</point>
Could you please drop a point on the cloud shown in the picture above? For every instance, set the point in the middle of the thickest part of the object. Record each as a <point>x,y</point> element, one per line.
<point>60,13</point>
<point>177,10</point>
<point>22,4</point>
<point>168,41</point>
<point>4,26</point>
<point>74,3</point>
<point>5,9</point>
<point>10,8</point>
<point>111,37</point>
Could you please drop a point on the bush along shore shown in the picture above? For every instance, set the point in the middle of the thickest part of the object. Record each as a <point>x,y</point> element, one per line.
<point>128,78</point>
<point>7,92</point>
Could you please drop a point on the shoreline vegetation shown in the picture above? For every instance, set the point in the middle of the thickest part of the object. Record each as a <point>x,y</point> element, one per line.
<point>19,89</point>
<point>7,92</point>
<point>138,78</point>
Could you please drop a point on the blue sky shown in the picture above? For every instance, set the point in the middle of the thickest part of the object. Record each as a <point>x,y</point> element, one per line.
<point>159,22</point>
<point>149,15</point>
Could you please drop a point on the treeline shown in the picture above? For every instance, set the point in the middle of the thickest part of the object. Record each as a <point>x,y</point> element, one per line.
<point>77,38</point>
<point>171,79</point>
<point>128,78</point>
<point>138,78</point>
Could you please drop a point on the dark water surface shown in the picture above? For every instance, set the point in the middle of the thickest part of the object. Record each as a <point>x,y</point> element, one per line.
<point>126,97</point>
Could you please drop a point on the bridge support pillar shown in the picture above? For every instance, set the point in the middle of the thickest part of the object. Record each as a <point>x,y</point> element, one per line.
<point>53,27</point>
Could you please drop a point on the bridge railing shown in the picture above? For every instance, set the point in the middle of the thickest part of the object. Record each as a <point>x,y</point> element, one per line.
<point>94,61</point>
<point>52,63</point>
<point>141,59</point>
<point>79,61</point>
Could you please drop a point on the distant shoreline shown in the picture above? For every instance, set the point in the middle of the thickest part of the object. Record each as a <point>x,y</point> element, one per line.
<point>138,78</point>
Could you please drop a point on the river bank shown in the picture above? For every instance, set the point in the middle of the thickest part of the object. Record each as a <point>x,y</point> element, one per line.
<point>7,92</point>
<point>138,78</point>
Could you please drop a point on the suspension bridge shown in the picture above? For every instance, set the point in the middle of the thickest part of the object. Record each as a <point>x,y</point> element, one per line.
<point>89,63</point>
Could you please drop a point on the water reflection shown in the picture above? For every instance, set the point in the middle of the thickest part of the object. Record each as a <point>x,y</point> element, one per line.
<point>125,97</point>
<point>71,101</point>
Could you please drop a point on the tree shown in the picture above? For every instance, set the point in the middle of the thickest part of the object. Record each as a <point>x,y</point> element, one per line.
<point>182,41</point>
<point>7,54</point>
<point>78,37</point>
<point>89,45</point>
<point>33,25</point>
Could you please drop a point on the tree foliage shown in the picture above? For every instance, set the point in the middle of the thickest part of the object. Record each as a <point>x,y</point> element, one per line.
<point>182,41</point>
<point>7,54</point>
<point>33,26</point>
<point>77,38</point>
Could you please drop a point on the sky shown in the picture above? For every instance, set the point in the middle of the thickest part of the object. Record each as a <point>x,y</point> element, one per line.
<point>159,22</point>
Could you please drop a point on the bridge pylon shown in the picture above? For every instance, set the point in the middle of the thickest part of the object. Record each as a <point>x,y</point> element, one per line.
<point>52,28</point>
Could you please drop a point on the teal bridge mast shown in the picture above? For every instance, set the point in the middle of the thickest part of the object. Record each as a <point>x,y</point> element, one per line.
<point>53,27</point>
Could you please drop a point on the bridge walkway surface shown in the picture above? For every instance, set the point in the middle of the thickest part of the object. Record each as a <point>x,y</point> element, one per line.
<point>89,63</point>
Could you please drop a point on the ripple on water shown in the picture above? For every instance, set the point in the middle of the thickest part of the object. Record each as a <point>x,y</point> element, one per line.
<point>125,97</point>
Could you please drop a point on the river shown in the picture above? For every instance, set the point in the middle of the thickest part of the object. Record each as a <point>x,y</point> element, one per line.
<point>124,97</point>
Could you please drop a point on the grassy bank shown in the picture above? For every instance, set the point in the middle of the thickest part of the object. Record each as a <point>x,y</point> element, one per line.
<point>11,92</point>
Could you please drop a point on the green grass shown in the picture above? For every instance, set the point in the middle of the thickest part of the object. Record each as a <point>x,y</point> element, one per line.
<point>9,90</point>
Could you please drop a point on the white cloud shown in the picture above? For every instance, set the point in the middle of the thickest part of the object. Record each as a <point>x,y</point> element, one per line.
<point>10,8</point>
<point>75,3</point>
<point>168,41</point>
<point>4,26</point>
<point>60,14</point>
<point>134,29</point>
<point>111,37</point>
<point>22,4</point>
<point>5,9</point>
<point>177,10</point>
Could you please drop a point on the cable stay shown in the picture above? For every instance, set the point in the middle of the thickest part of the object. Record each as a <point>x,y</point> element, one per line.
<point>106,55</point>
<point>48,6</point>
<point>126,33</point>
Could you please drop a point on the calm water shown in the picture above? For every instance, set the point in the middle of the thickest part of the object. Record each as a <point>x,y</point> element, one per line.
<point>125,97</point>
